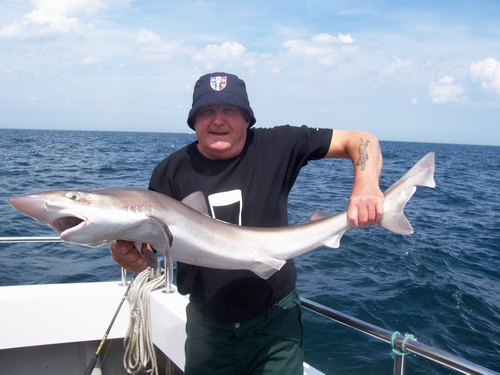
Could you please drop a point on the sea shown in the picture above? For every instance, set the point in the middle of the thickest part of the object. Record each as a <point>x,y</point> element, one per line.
<point>441,284</point>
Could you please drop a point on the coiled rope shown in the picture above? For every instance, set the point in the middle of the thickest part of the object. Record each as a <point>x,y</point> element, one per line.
<point>140,354</point>
<point>403,350</point>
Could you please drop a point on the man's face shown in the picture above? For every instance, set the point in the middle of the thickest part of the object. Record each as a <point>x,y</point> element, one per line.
<point>221,130</point>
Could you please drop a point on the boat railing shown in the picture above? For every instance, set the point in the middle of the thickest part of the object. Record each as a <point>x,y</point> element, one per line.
<point>29,239</point>
<point>401,344</point>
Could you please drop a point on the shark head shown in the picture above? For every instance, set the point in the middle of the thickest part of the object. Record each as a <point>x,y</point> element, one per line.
<point>84,217</point>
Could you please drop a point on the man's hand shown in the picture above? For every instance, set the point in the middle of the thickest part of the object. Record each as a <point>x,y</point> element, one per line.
<point>366,207</point>
<point>126,255</point>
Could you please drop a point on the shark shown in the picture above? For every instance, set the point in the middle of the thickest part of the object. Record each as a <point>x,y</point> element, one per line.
<point>183,230</point>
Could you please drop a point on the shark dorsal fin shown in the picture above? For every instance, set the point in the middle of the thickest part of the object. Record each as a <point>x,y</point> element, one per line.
<point>318,215</point>
<point>197,202</point>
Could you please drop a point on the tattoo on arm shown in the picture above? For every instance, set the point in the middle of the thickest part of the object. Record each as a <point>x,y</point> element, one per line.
<point>363,154</point>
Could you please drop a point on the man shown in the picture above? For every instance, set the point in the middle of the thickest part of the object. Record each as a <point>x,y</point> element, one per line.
<point>239,323</point>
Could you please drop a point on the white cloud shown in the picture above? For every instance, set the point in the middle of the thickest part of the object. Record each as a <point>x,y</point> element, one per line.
<point>34,98</point>
<point>54,22</point>
<point>212,54</point>
<point>488,72</point>
<point>346,38</point>
<point>155,49</point>
<point>69,7</point>
<point>12,30</point>
<point>275,70</point>
<point>90,60</point>
<point>39,23</point>
<point>324,48</point>
<point>414,101</point>
<point>396,66</point>
<point>57,17</point>
<point>444,90</point>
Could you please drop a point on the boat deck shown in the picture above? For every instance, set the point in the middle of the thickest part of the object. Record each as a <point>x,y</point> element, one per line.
<point>59,326</point>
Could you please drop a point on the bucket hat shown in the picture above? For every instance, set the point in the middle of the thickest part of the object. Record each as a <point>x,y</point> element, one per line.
<point>219,88</point>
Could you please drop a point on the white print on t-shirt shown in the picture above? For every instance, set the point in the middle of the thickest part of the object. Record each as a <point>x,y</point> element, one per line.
<point>226,198</point>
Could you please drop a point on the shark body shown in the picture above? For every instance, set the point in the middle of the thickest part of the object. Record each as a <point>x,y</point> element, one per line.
<point>184,231</point>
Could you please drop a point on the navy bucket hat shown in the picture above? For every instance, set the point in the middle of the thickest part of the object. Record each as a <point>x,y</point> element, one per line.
<point>219,88</point>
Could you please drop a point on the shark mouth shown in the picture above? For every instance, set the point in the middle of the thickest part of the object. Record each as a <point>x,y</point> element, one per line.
<point>66,224</point>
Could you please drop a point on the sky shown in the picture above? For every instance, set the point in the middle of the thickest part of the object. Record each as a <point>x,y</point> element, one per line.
<point>416,71</point>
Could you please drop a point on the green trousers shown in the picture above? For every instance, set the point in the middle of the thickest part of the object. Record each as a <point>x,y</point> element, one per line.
<point>270,344</point>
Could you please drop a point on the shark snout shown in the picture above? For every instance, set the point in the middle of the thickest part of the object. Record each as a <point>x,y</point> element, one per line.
<point>47,210</point>
<point>31,205</point>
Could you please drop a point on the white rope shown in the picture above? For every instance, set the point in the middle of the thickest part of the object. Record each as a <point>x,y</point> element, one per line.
<point>140,354</point>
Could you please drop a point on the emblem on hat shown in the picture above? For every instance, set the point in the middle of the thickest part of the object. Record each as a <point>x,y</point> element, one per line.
<point>218,83</point>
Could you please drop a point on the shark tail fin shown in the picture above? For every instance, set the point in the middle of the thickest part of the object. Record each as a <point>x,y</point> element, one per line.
<point>396,197</point>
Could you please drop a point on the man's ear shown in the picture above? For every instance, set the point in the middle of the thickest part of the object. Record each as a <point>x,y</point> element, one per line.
<point>247,118</point>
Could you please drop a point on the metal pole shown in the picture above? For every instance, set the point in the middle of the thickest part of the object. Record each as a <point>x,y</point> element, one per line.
<point>399,365</point>
<point>29,239</point>
<point>124,277</point>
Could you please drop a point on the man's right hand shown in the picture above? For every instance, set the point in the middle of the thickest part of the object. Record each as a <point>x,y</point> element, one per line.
<point>126,255</point>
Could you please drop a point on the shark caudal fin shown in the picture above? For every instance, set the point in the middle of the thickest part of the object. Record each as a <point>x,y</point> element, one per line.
<point>421,174</point>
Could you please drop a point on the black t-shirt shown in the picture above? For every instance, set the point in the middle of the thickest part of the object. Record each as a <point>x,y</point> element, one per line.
<point>250,189</point>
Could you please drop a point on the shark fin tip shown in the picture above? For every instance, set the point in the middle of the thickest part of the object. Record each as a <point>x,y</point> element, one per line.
<point>267,266</point>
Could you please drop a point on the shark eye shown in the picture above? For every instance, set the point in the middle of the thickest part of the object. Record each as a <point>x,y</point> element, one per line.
<point>72,196</point>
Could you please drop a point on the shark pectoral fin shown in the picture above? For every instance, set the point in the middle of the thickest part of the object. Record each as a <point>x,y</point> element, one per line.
<point>138,246</point>
<point>169,261</point>
<point>152,258</point>
<point>161,238</point>
<point>334,241</point>
<point>267,266</point>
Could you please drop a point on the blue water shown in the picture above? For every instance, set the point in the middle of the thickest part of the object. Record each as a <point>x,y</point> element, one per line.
<point>441,284</point>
